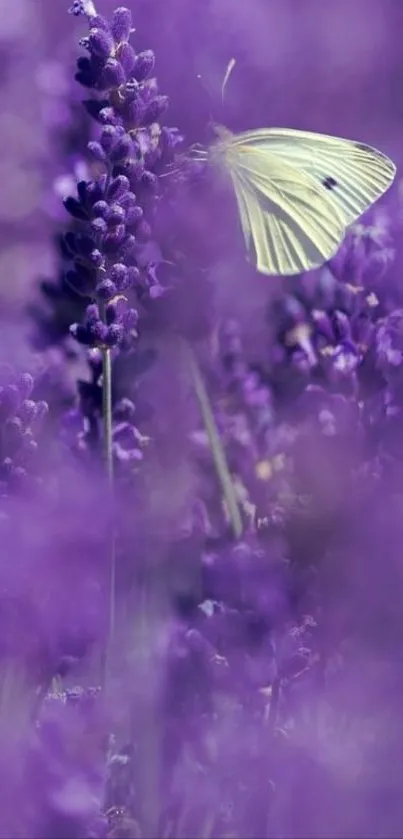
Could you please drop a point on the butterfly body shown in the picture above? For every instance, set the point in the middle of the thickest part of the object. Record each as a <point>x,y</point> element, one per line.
<point>297,192</point>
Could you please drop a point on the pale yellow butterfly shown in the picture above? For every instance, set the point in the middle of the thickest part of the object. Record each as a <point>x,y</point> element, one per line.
<point>297,192</point>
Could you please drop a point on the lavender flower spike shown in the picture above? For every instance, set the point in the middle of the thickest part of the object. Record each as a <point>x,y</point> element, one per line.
<point>83,7</point>
<point>114,211</point>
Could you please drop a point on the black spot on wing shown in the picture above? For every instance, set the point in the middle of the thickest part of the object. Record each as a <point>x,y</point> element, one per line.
<point>329,182</point>
<point>364,147</point>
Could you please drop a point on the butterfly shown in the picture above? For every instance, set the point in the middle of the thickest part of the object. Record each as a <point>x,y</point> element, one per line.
<point>298,191</point>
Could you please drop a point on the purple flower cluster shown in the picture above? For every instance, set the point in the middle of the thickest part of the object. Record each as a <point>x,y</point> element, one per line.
<point>115,209</point>
<point>20,422</point>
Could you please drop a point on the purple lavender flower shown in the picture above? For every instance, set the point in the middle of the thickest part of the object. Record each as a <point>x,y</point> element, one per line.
<point>325,325</point>
<point>20,421</point>
<point>115,209</point>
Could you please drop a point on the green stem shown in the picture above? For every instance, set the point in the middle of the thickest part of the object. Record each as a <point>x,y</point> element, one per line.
<point>217,450</point>
<point>107,412</point>
<point>108,455</point>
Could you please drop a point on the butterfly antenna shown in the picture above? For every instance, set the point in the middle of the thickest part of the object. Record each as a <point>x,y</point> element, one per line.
<point>206,90</point>
<point>230,67</point>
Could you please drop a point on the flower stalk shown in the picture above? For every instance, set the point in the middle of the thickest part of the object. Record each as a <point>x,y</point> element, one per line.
<point>218,454</point>
<point>108,454</point>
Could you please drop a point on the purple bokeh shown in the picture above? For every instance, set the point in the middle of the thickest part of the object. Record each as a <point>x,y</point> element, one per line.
<point>160,676</point>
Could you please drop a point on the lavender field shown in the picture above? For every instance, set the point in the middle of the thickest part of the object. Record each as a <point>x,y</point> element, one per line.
<point>201,466</point>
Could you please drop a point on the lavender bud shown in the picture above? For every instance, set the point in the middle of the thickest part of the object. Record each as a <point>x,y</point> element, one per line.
<point>81,334</point>
<point>111,313</point>
<point>109,136</point>
<point>106,290</point>
<point>114,238</point>
<point>128,200</point>
<point>323,324</point>
<point>156,291</point>
<point>77,8</point>
<point>27,411</point>
<point>94,190</point>
<point>342,324</point>
<point>170,138</point>
<point>122,149</point>
<point>155,109</point>
<point>127,435</point>
<point>99,22</point>
<point>118,187</point>
<point>121,24</point>
<point>99,226</point>
<point>100,209</point>
<point>96,258</point>
<point>133,216</point>
<point>133,110</point>
<point>86,75</point>
<point>115,334</point>
<point>100,43</point>
<point>118,275</point>
<point>96,151</point>
<point>132,89</point>
<point>149,90</point>
<point>91,314</point>
<point>133,275</point>
<point>130,319</point>
<point>130,250</point>
<point>125,456</point>
<point>150,181</point>
<point>133,169</point>
<point>98,332</point>
<point>107,116</point>
<point>75,208</point>
<point>116,216</point>
<point>113,75</point>
<point>144,64</point>
<point>124,410</point>
<point>127,58</point>
<point>25,384</point>
<point>82,188</point>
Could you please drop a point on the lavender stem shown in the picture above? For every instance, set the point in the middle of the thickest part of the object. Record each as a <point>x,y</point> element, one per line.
<point>108,454</point>
<point>217,450</point>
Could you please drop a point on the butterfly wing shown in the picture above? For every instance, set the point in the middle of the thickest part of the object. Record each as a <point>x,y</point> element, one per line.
<point>289,223</point>
<point>353,174</point>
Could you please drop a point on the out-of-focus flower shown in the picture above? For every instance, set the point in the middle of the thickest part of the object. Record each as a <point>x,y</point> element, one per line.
<point>20,420</point>
<point>64,766</point>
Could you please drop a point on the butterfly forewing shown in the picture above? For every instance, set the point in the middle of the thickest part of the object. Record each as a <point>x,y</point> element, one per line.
<point>298,191</point>
<point>355,174</point>
<point>289,223</point>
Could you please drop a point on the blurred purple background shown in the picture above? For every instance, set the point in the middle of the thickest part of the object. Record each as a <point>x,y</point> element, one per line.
<point>329,67</point>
